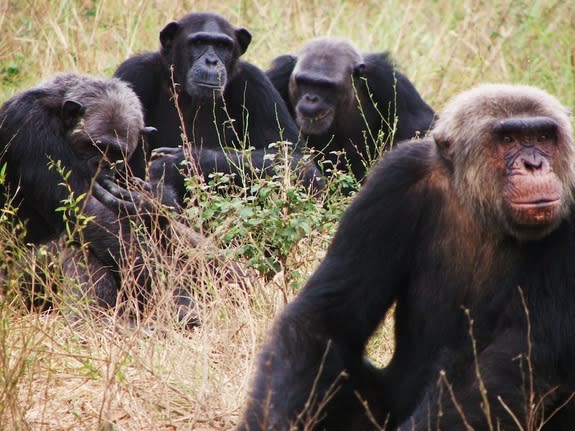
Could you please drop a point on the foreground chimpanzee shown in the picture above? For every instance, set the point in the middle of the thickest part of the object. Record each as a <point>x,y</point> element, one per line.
<point>223,104</point>
<point>347,102</point>
<point>86,128</point>
<point>471,234</point>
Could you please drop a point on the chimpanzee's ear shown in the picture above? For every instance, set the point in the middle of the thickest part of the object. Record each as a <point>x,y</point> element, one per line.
<point>444,147</point>
<point>244,38</point>
<point>71,112</point>
<point>167,35</point>
<point>359,70</point>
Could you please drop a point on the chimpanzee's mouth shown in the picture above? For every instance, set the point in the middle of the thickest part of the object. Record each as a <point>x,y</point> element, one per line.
<point>212,85</point>
<point>541,203</point>
<point>313,119</point>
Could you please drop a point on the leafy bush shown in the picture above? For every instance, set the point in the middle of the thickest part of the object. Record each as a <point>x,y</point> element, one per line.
<point>265,220</point>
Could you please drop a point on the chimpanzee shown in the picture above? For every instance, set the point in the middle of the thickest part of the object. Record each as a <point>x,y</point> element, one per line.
<point>196,86</point>
<point>471,234</point>
<point>73,135</point>
<point>346,102</point>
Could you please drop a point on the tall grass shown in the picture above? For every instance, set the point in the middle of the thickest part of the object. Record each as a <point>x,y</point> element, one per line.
<point>443,45</point>
<point>54,375</point>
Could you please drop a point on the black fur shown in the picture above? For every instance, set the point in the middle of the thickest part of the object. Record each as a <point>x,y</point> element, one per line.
<point>37,126</point>
<point>91,126</point>
<point>384,94</point>
<point>408,240</point>
<point>259,115</point>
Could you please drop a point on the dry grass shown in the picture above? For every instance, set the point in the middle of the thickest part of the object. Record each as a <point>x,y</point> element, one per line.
<point>95,375</point>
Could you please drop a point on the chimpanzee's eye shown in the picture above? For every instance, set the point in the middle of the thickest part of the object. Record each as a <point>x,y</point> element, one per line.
<point>221,45</point>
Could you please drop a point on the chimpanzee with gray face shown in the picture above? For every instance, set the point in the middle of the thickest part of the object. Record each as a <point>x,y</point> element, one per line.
<point>347,102</point>
<point>224,104</point>
<point>90,127</point>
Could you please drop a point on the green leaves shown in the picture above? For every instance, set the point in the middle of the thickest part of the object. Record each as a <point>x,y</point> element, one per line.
<point>266,220</point>
<point>75,221</point>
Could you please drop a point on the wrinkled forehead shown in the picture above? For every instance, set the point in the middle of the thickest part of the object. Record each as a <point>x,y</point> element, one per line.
<point>211,26</point>
<point>525,125</point>
<point>206,23</point>
<point>109,119</point>
<point>333,59</point>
